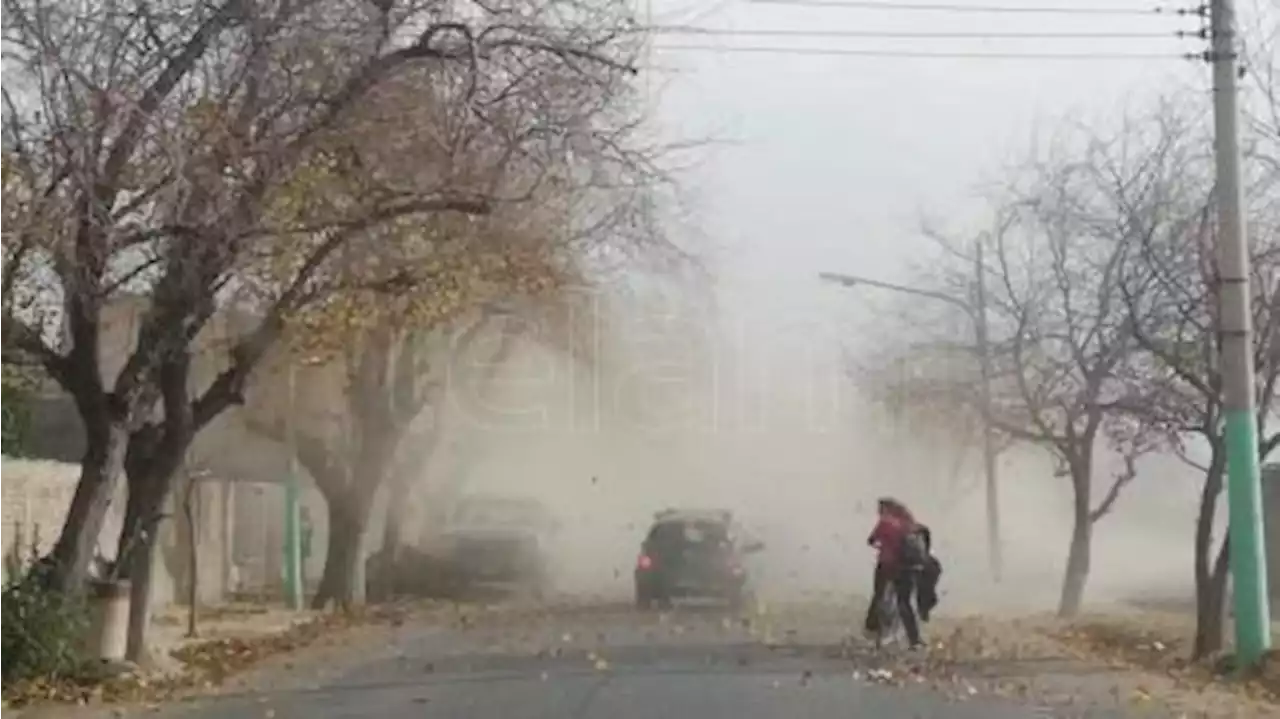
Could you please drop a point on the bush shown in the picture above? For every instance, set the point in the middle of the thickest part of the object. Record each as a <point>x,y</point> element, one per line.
<point>43,630</point>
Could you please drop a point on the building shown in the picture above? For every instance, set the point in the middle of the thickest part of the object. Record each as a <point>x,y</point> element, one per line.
<point>237,501</point>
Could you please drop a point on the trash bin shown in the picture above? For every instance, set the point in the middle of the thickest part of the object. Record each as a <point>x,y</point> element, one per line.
<point>108,620</point>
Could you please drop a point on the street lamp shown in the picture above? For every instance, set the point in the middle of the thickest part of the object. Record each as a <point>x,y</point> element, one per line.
<point>977,314</point>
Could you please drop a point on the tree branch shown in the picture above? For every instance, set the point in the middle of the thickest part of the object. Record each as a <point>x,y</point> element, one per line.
<point>1268,446</point>
<point>1121,480</point>
<point>24,337</point>
<point>175,70</point>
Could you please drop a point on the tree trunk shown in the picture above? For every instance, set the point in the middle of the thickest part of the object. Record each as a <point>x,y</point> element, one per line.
<point>1078,555</point>
<point>324,590</point>
<point>333,558</point>
<point>1210,588</point>
<point>1077,574</point>
<point>155,456</point>
<point>1211,610</point>
<point>330,478</point>
<point>137,551</point>
<point>349,487</point>
<point>100,469</point>
<point>348,515</point>
<point>141,574</point>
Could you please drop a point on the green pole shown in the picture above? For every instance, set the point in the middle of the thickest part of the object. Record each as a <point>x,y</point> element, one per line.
<point>292,543</point>
<point>292,517</point>
<point>1248,553</point>
<point>1244,492</point>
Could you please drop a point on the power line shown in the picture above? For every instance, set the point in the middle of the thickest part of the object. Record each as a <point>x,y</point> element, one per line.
<point>916,34</point>
<point>952,7</point>
<point>859,52</point>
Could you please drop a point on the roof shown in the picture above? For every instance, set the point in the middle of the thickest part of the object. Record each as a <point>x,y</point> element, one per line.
<point>693,515</point>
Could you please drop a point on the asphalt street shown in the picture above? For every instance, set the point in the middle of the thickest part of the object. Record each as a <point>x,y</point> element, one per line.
<point>615,665</point>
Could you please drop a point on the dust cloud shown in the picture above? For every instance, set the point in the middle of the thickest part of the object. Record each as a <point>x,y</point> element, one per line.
<point>680,408</point>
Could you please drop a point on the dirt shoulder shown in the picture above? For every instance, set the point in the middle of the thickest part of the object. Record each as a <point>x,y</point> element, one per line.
<point>1133,662</point>
<point>1159,643</point>
<point>238,650</point>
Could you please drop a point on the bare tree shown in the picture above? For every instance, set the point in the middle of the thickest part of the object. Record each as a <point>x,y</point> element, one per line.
<point>349,445</point>
<point>1065,358</point>
<point>167,150</point>
<point>519,260</point>
<point>409,468</point>
<point>1063,348</point>
<point>391,355</point>
<point>1140,205</point>
<point>1171,294</point>
<point>391,368</point>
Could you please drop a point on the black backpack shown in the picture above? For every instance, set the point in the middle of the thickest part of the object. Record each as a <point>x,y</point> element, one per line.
<point>915,547</point>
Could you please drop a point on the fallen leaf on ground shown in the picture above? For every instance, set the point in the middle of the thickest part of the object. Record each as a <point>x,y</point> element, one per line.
<point>204,665</point>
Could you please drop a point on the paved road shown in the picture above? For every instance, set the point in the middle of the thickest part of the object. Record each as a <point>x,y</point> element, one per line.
<point>615,665</point>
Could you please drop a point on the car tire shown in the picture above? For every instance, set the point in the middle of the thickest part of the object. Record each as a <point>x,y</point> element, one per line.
<point>644,598</point>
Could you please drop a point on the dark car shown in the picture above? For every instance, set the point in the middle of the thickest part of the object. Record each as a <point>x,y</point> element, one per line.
<point>495,540</point>
<point>693,554</point>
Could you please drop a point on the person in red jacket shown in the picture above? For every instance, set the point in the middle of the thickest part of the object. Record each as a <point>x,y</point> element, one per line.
<point>895,564</point>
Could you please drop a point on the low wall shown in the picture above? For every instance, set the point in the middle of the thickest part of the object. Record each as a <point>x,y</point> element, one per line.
<point>34,498</point>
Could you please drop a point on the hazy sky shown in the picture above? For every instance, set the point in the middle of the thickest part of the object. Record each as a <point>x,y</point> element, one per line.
<point>829,161</point>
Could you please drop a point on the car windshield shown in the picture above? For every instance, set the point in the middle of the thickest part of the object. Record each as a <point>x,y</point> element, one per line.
<point>680,534</point>
<point>705,533</point>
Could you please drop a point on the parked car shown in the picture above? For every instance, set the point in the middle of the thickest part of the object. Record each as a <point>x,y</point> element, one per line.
<point>690,554</point>
<point>500,541</point>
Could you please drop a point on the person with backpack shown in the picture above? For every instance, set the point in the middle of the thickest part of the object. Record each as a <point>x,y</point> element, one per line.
<point>903,552</point>
<point>928,572</point>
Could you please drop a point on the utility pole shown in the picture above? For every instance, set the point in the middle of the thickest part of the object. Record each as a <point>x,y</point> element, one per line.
<point>1244,491</point>
<point>990,469</point>
<point>292,512</point>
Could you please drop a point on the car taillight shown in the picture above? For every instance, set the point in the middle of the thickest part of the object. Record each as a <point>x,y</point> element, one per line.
<point>644,562</point>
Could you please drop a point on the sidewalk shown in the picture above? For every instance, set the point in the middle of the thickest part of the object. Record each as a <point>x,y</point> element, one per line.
<point>243,621</point>
<point>1160,642</point>
<point>232,639</point>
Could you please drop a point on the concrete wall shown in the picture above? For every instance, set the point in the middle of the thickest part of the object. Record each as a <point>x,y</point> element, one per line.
<point>241,504</point>
<point>238,530</point>
<point>36,494</point>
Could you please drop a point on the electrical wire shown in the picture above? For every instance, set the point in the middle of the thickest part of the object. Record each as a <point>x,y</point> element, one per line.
<point>916,34</point>
<point>953,7</point>
<point>859,52</point>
